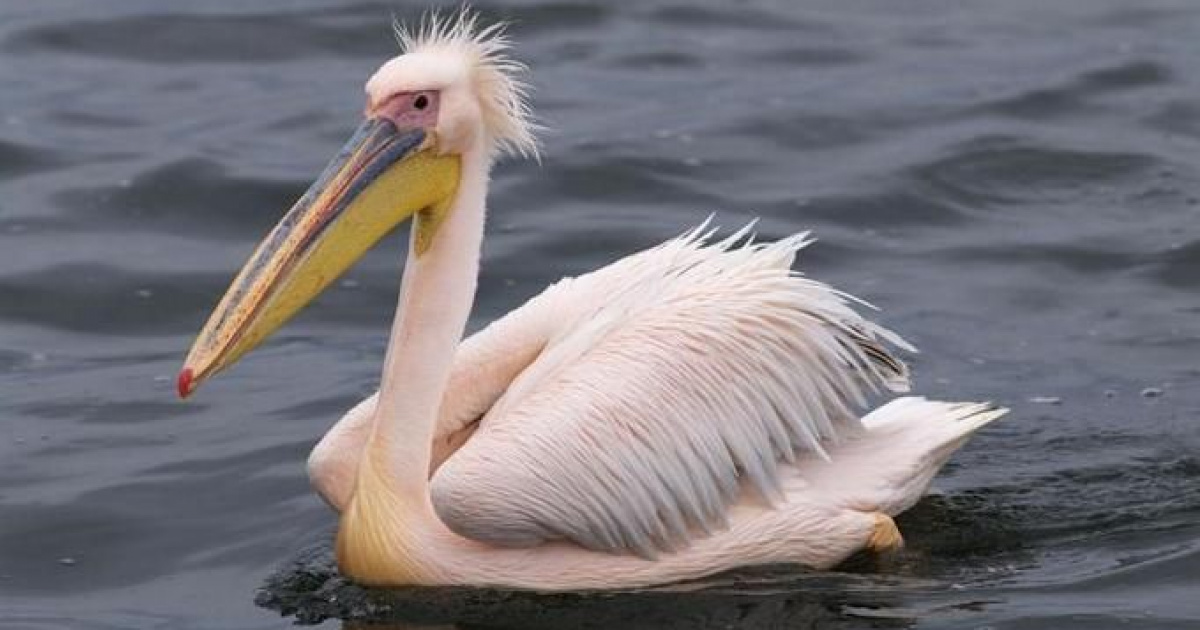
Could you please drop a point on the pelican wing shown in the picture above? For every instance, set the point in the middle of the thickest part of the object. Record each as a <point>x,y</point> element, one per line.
<point>667,381</point>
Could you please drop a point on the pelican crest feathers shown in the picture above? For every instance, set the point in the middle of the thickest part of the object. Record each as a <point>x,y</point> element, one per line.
<point>481,54</point>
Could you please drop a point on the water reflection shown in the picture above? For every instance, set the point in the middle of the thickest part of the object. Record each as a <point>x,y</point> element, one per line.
<point>865,592</point>
<point>761,598</point>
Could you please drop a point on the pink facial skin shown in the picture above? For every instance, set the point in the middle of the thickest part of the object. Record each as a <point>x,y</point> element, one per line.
<point>408,110</point>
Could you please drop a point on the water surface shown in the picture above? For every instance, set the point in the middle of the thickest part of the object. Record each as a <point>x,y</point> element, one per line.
<point>1015,184</point>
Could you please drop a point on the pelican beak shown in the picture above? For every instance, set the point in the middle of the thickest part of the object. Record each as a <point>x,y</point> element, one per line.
<point>382,176</point>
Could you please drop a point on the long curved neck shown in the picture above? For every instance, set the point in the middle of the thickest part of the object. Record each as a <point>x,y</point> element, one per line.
<point>436,294</point>
<point>390,506</point>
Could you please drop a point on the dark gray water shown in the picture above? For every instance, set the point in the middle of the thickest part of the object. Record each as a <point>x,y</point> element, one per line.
<point>1016,184</point>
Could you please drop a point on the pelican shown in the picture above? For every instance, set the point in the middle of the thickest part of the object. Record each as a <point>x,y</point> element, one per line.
<point>689,409</point>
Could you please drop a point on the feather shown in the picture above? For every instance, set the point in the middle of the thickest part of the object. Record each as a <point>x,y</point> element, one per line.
<point>668,380</point>
<point>496,79</point>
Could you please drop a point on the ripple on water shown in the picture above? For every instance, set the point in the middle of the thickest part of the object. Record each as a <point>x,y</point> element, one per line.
<point>91,120</point>
<point>1084,258</point>
<point>551,17</point>
<point>1177,117</point>
<point>15,360</point>
<point>813,56</point>
<point>806,131</point>
<point>895,207</point>
<point>21,159</point>
<point>107,300</point>
<point>661,60</point>
<point>1081,93</point>
<point>618,179</point>
<point>310,590</point>
<point>94,410</point>
<point>167,38</point>
<point>733,16</point>
<point>196,197</point>
<point>1179,267</point>
<point>1002,170</point>
<point>141,531</point>
<point>1131,16</point>
<point>1139,494</point>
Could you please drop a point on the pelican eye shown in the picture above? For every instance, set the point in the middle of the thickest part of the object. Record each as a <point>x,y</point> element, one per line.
<point>421,102</point>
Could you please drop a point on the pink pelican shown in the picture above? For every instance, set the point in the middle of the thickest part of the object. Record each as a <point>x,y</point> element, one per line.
<point>683,411</point>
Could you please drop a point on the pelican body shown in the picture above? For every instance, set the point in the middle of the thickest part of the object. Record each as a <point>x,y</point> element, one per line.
<point>689,409</point>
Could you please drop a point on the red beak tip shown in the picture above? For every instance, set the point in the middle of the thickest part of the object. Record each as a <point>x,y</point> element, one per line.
<point>185,382</point>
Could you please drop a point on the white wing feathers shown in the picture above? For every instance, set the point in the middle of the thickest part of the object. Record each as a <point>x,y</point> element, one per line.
<point>667,380</point>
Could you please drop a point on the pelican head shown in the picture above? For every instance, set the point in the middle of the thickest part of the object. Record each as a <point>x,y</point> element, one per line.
<point>451,92</point>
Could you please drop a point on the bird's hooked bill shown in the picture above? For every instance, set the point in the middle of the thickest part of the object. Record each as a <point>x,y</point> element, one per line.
<point>382,176</point>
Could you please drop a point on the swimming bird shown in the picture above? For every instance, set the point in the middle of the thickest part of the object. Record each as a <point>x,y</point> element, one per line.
<point>689,409</point>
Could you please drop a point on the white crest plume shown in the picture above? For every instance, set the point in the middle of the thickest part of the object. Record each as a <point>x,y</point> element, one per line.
<point>496,78</point>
